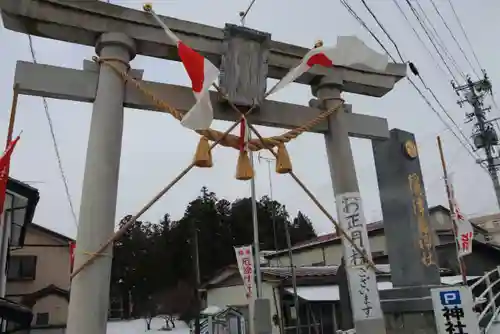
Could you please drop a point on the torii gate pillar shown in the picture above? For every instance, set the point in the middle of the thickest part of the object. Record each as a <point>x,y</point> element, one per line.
<point>365,300</point>
<point>88,309</point>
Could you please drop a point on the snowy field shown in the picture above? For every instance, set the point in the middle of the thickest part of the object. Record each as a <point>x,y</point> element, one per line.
<point>139,326</point>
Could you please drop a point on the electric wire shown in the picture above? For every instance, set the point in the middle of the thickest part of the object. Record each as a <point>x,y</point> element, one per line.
<point>415,13</point>
<point>383,29</point>
<point>54,141</point>
<point>454,38</point>
<point>438,65</point>
<point>361,21</point>
<point>416,73</point>
<point>465,33</point>
<point>442,44</point>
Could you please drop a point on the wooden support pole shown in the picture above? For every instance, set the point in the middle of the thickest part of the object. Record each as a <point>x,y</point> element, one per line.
<point>460,260</point>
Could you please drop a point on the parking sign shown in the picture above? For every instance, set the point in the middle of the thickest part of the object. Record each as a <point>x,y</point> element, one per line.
<point>450,298</point>
<point>453,310</point>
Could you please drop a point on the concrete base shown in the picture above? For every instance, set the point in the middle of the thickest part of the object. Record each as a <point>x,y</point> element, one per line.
<point>410,323</point>
<point>408,310</point>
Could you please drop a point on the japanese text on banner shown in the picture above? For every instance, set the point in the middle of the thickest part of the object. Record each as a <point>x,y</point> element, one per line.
<point>464,229</point>
<point>244,258</point>
<point>362,279</point>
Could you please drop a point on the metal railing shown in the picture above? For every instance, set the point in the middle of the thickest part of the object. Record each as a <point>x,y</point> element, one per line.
<point>491,280</point>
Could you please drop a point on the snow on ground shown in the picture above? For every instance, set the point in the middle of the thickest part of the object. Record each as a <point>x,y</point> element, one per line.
<point>138,326</point>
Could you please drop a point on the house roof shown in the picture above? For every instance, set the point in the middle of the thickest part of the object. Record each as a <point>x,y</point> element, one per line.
<point>15,312</point>
<point>332,238</point>
<point>305,273</point>
<point>484,219</point>
<point>31,299</point>
<point>373,229</point>
<point>32,196</point>
<point>52,233</point>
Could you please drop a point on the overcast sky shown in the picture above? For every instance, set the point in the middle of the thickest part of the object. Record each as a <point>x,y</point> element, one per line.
<point>156,147</point>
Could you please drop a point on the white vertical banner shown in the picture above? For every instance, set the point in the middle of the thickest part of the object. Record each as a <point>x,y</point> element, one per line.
<point>453,310</point>
<point>365,298</point>
<point>465,231</point>
<point>244,258</point>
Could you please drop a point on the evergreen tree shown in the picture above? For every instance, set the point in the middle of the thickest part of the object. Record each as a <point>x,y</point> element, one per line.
<point>153,263</point>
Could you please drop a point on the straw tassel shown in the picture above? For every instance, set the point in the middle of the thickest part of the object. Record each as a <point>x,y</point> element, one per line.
<point>244,170</point>
<point>283,163</point>
<point>203,155</point>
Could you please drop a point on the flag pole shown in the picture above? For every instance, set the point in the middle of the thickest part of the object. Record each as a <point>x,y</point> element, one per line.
<point>256,244</point>
<point>452,212</point>
<point>4,240</point>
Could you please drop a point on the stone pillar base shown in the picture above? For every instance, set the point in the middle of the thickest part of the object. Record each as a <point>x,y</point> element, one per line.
<point>409,310</point>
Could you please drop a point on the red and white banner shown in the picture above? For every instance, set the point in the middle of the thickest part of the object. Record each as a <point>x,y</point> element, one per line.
<point>349,51</point>
<point>244,258</point>
<point>202,74</point>
<point>4,171</point>
<point>72,247</point>
<point>464,229</point>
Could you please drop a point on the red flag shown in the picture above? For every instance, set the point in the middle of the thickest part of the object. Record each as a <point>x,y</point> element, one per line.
<point>349,51</point>
<point>4,171</point>
<point>202,74</point>
<point>244,135</point>
<point>72,246</point>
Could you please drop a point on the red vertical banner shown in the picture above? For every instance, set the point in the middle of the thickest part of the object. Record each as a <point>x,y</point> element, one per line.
<point>4,171</point>
<point>72,246</point>
<point>244,258</point>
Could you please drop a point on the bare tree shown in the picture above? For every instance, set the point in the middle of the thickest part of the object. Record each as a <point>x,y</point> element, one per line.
<point>149,309</point>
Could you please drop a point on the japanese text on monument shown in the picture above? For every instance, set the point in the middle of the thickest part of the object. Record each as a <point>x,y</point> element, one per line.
<point>425,240</point>
<point>362,280</point>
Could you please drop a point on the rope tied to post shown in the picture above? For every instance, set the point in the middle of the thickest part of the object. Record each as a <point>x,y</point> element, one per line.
<point>260,143</point>
<point>227,140</point>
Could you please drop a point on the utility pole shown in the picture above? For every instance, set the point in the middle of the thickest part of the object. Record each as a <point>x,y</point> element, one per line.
<point>273,214</point>
<point>294,280</point>
<point>484,134</point>
<point>288,244</point>
<point>196,274</point>
<point>255,224</point>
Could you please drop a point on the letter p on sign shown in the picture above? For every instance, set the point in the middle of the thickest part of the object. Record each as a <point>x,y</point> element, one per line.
<point>450,297</point>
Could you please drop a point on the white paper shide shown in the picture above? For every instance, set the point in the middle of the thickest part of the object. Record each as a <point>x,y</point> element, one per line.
<point>362,279</point>
<point>244,258</point>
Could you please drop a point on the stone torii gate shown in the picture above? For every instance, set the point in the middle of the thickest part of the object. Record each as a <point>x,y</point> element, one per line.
<point>121,33</point>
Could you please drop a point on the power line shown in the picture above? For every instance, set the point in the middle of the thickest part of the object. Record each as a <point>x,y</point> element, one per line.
<point>438,65</point>
<point>383,29</point>
<point>54,141</point>
<point>424,28</point>
<point>454,38</point>
<point>441,42</point>
<point>465,34</point>
<point>361,21</point>
<point>415,72</point>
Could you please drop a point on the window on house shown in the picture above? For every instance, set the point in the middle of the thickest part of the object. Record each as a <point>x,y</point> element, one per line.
<point>42,319</point>
<point>21,267</point>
